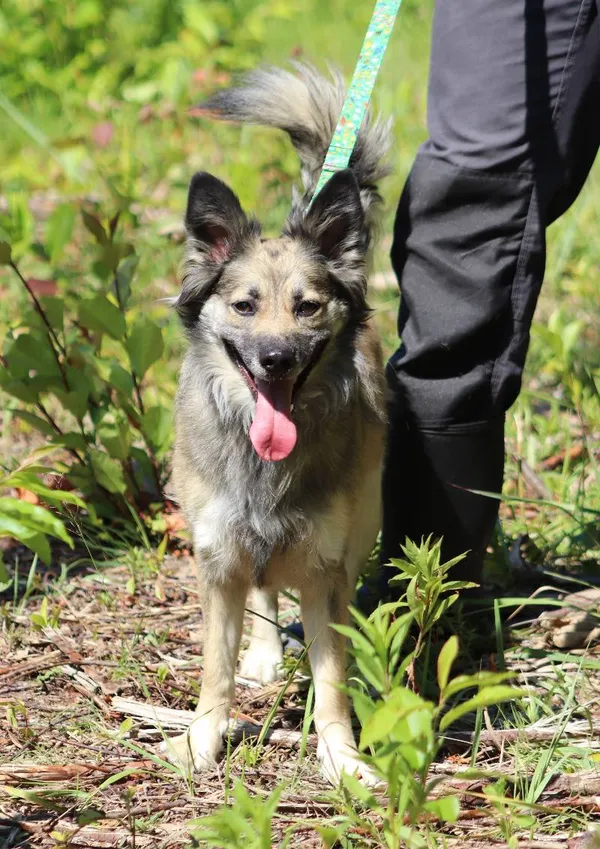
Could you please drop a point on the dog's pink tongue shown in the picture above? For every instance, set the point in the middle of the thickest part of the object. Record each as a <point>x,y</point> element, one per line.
<point>273,433</point>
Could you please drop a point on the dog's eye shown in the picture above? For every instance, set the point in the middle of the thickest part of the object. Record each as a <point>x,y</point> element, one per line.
<point>307,308</point>
<point>244,307</point>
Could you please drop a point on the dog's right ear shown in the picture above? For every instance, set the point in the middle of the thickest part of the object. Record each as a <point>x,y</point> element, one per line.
<point>217,229</point>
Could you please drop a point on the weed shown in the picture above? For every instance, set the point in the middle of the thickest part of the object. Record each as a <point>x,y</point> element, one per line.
<point>248,822</point>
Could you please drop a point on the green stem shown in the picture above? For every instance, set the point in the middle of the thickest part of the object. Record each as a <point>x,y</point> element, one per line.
<point>136,384</point>
<point>55,345</point>
<point>38,308</point>
<point>57,429</point>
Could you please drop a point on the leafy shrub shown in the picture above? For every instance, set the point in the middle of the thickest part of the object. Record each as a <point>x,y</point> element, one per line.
<point>32,524</point>
<point>76,362</point>
<point>247,823</point>
<point>138,51</point>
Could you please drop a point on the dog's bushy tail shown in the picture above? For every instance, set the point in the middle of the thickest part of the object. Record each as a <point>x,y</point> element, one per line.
<point>307,106</point>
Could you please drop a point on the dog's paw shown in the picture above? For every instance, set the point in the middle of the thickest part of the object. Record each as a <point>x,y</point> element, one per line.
<point>191,752</point>
<point>338,758</point>
<point>263,663</point>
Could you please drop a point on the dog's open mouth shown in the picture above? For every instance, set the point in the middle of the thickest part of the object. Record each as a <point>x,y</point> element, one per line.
<point>273,432</point>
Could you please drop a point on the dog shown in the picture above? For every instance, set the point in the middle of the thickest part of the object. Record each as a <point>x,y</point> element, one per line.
<point>280,413</point>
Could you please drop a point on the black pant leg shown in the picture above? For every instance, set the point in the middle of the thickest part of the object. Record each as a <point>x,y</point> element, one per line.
<point>508,87</point>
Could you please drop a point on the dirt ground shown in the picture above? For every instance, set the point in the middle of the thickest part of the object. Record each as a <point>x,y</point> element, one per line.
<point>79,760</point>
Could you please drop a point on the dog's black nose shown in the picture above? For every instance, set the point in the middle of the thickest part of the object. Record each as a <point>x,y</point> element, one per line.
<point>277,360</point>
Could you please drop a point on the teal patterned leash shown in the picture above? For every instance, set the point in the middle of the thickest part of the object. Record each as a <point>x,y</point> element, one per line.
<point>359,92</point>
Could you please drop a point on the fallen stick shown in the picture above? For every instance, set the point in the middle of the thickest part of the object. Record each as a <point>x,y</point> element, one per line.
<point>171,719</point>
<point>34,664</point>
<point>456,776</point>
<point>86,686</point>
<point>530,733</point>
<point>95,838</point>
<point>65,772</point>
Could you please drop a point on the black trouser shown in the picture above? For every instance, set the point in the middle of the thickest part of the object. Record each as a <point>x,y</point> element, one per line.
<point>514,123</point>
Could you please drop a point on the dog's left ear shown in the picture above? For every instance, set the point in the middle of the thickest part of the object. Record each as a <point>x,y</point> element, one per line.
<point>217,229</point>
<point>336,221</point>
<point>335,224</point>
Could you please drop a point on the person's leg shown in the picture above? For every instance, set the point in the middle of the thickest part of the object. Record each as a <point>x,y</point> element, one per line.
<point>512,138</point>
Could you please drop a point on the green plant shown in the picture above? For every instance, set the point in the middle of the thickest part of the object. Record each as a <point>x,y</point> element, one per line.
<point>76,362</point>
<point>32,524</point>
<point>428,592</point>
<point>509,820</point>
<point>142,51</point>
<point>402,733</point>
<point>247,822</point>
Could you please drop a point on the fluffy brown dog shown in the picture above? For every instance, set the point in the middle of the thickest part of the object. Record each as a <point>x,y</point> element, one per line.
<point>280,410</point>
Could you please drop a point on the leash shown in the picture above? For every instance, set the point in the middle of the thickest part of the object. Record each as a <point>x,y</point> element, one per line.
<point>360,89</point>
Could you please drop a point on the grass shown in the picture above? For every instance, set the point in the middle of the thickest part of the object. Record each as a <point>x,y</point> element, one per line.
<point>122,620</point>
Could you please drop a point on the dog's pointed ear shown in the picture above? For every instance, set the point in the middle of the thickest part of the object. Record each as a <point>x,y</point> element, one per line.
<point>217,229</point>
<point>336,221</point>
<point>336,226</point>
<point>214,217</point>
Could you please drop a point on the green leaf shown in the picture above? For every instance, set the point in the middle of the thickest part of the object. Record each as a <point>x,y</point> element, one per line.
<point>54,307</point>
<point>41,801</point>
<point>32,352</point>
<point>360,792</point>
<point>107,471</point>
<point>332,835</point>
<point>450,586</point>
<point>17,388</point>
<point>487,696</point>
<point>34,517</point>
<point>93,224</point>
<point>89,815</point>
<point>446,658</point>
<point>76,402</point>
<point>439,610</point>
<point>123,278</point>
<point>388,714</point>
<point>37,542</point>
<point>121,380</point>
<point>112,254</point>
<point>379,725</point>
<point>144,345</point>
<point>162,548</point>
<point>101,314</point>
<point>5,576</point>
<point>446,809</point>
<point>72,440</point>
<point>478,679</point>
<point>157,424</point>
<point>5,253</point>
<point>25,480</point>
<point>115,375</point>
<point>116,437</point>
<point>59,229</point>
<point>36,422</point>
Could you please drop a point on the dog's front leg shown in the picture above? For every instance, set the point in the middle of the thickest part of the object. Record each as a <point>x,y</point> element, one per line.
<point>264,655</point>
<point>223,614</point>
<point>323,602</point>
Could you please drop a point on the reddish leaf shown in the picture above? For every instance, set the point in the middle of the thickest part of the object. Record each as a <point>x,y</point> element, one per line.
<point>146,113</point>
<point>174,522</point>
<point>102,133</point>
<point>42,287</point>
<point>28,496</point>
